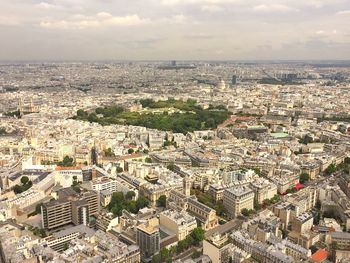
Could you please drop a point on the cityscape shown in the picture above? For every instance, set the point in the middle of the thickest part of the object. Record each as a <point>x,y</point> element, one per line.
<point>133,158</point>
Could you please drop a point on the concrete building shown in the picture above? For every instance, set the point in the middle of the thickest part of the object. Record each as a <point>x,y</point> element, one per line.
<point>70,207</point>
<point>148,237</point>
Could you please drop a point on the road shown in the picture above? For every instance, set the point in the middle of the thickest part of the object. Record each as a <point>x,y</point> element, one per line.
<point>230,225</point>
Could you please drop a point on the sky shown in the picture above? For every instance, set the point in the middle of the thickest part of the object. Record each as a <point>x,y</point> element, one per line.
<point>174,29</point>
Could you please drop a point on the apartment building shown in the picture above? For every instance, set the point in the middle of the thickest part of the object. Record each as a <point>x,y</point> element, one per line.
<point>180,223</point>
<point>236,199</point>
<point>205,216</point>
<point>263,189</point>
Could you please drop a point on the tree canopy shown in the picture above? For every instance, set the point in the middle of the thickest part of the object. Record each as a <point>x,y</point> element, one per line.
<point>119,202</point>
<point>162,201</point>
<point>189,118</point>
<point>66,162</point>
<point>304,177</point>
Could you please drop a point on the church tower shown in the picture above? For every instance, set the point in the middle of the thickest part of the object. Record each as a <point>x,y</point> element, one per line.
<point>187,184</point>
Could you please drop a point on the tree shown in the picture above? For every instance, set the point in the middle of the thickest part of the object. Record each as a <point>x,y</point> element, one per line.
<point>142,202</point>
<point>245,212</point>
<point>82,113</point>
<point>130,195</point>
<point>257,171</point>
<point>17,189</point>
<point>195,254</point>
<point>93,117</point>
<point>148,160</point>
<point>318,204</point>
<point>334,245</point>
<point>131,206</point>
<point>77,189</point>
<point>156,259</point>
<point>119,170</point>
<point>198,235</point>
<point>181,246</point>
<point>267,202</point>
<point>257,206</point>
<point>67,161</point>
<point>330,169</point>
<point>108,152</point>
<point>313,249</point>
<point>304,177</point>
<point>167,143</point>
<point>306,139</point>
<point>24,180</point>
<point>65,246</point>
<point>171,167</point>
<point>162,201</point>
<point>130,151</point>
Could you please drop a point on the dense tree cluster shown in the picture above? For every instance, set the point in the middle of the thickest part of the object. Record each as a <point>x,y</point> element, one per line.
<point>304,177</point>
<point>166,255</point>
<point>108,152</point>
<point>192,117</point>
<point>25,185</point>
<point>206,199</point>
<point>120,202</point>
<point>66,162</point>
<point>306,139</point>
<point>247,212</point>
<point>16,114</point>
<point>162,201</point>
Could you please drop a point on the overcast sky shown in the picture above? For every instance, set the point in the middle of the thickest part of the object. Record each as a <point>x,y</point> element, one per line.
<point>174,29</point>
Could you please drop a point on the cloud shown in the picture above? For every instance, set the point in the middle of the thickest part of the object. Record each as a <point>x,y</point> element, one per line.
<point>267,8</point>
<point>9,20</point>
<point>199,36</point>
<point>212,8</point>
<point>101,19</point>
<point>344,12</point>
<point>200,2</point>
<point>45,5</point>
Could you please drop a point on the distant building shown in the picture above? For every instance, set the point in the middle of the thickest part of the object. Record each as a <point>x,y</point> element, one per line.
<point>234,80</point>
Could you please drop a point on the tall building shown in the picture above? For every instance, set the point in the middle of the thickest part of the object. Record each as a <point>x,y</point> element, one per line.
<point>148,237</point>
<point>70,207</point>
<point>234,80</point>
<point>238,198</point>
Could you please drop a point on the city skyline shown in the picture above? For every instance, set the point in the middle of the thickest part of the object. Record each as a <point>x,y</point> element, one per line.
<point>175,29</point>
